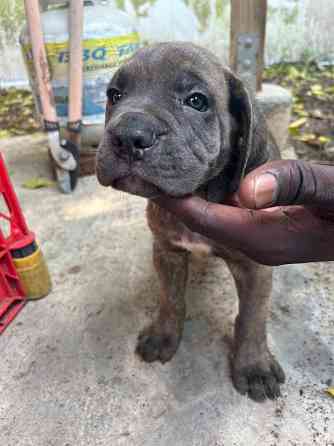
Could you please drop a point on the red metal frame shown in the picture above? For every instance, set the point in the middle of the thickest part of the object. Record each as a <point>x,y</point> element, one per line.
<point>12,297</point>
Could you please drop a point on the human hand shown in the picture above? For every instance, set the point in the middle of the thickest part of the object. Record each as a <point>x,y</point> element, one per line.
<point>284,214</point>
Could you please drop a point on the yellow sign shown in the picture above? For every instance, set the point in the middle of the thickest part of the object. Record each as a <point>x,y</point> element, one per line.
<point>98,54</point>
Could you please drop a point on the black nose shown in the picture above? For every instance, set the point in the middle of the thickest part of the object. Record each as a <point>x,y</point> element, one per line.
<point>133,134</point>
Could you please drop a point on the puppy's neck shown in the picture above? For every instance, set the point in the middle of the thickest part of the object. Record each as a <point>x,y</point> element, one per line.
<point>214,190</point>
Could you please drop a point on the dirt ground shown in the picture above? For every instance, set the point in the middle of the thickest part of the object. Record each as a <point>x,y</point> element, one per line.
<point>311,131</point>
<point>68,372</point>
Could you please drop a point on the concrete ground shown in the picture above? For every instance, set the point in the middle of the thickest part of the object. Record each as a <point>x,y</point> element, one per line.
<point>68,374</point>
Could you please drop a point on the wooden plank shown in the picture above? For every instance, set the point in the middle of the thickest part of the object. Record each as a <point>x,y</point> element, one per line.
<point>248,16</point>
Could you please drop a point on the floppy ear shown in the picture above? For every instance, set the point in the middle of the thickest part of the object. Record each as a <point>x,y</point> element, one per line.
<point>242,110</point>
<point>240,107</point>
<point>107,113</point>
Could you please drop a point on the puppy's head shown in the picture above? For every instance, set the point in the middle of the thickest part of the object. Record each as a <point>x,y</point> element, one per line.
<point>176,121</point>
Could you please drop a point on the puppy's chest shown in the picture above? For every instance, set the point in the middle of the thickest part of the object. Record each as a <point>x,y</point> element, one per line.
<point>192,242</point>
<point>168,228</point>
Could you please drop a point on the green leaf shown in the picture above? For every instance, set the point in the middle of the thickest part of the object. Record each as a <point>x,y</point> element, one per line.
<point>307,137</point>
<point>330,391</point>
<point>297,124</point>
<point>298,109</point>
<point>38,183</point>
<point>330,90</point>
<point>294,132</point>
<point>324,139</point>
<point>302,113</point>
<point>317,90</point>
<point>4,134</point>
<point>293,73</point>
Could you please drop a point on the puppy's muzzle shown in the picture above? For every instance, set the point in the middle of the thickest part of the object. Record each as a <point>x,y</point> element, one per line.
<point>133,134</point>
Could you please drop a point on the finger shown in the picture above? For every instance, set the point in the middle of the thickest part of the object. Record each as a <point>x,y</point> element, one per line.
<point>288,182</point>
<point>242,229</point>
<point>209,219</point>
<point>274,236</point>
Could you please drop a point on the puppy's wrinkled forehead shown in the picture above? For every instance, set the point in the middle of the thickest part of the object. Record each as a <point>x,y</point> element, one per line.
<point>175,66</point>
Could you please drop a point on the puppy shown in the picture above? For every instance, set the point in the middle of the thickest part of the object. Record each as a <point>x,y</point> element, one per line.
<point>179,123</point>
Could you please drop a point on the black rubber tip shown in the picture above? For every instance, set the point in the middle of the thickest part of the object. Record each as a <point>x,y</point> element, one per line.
<point>25,251</point>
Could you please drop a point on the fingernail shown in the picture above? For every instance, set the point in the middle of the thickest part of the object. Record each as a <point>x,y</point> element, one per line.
<point>265,188</point>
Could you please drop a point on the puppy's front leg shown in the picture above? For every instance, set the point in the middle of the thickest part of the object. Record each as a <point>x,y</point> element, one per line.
<point>160,340</point>
<point>255,370</point>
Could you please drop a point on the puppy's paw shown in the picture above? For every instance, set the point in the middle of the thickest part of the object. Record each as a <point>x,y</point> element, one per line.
<point>260,379</point>
<point>157,344</point>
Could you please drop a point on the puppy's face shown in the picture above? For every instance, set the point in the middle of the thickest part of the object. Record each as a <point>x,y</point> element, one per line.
<point>170,126</point>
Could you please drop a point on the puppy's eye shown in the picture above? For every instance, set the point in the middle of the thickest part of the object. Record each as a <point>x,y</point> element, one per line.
<point>197,101</point>
<point>114,95</point>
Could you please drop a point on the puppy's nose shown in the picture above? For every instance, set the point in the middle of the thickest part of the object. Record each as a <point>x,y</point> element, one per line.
<point>133,135</point>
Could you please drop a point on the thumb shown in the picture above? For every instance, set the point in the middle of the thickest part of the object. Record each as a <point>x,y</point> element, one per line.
<point>288,182</point>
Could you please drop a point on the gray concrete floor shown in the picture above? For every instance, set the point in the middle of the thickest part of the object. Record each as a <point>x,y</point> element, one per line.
<point>68,374</point>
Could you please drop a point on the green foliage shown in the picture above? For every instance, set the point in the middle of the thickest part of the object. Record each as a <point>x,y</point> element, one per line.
<point>12,13</point>
<point>202,9</point>
<point>11,18</point>
<point>312,110</point>
<point>288,15</point>
<point>16,113</point>
<point>38,183</point>
<point>136,3</point>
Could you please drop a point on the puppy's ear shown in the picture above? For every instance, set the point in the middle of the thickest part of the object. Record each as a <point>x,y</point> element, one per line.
<point>108,112</point>
<point>240,107</point>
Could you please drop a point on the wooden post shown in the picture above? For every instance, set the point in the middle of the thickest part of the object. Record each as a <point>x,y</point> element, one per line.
<point>248,25</point>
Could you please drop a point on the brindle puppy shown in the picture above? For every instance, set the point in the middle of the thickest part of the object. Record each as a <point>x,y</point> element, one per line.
<point>179,123</point>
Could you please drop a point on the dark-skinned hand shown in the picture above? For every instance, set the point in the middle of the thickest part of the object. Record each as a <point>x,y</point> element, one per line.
<point>283,213</point>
